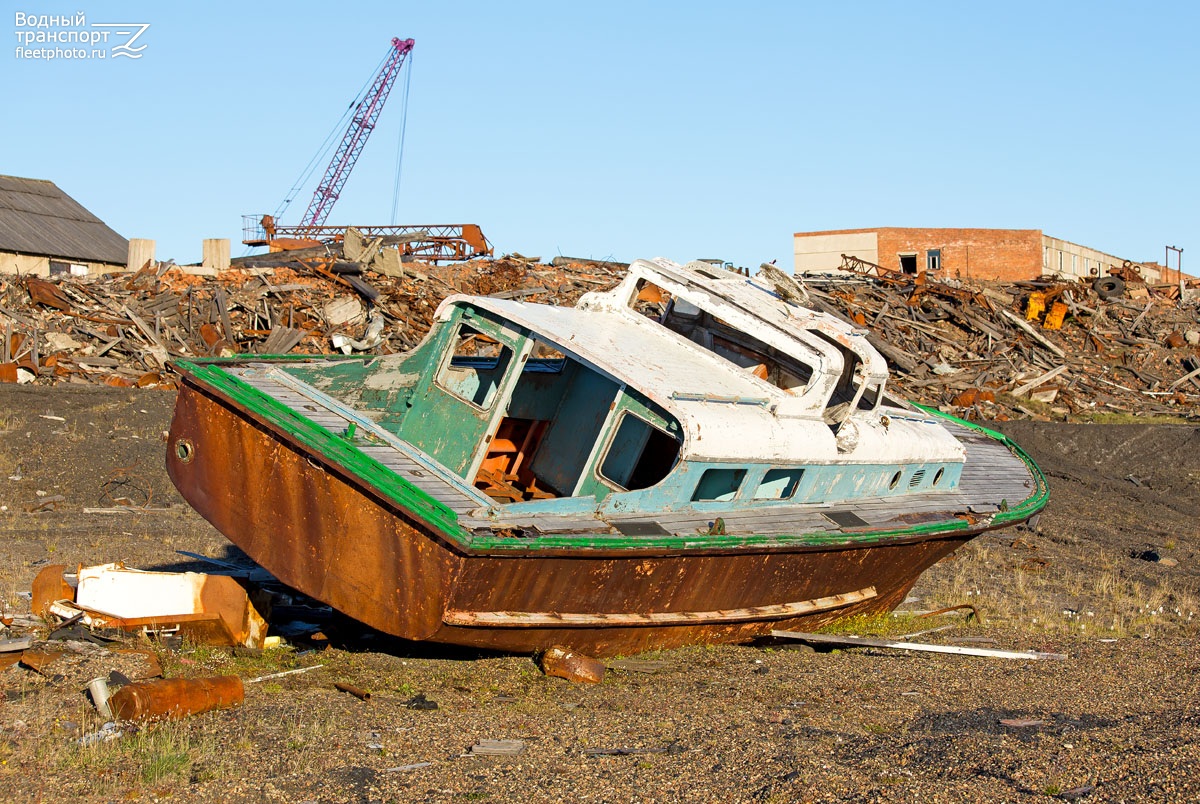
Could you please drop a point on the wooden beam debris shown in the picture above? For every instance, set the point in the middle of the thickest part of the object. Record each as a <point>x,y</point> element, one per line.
<point>974,349</point>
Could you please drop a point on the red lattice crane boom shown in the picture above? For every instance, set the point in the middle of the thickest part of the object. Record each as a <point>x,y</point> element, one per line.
<point>361,125</point>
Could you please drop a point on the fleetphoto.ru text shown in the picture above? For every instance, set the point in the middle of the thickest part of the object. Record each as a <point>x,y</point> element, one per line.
<point>47,37</point>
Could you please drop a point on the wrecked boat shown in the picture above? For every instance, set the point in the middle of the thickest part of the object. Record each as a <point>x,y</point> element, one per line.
<point>691,457</point>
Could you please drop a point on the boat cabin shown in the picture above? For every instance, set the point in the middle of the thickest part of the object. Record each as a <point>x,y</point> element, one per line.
<point>683,387</point>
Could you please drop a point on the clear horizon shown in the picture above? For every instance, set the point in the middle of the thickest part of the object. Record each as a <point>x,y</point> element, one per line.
<point>628,131</point>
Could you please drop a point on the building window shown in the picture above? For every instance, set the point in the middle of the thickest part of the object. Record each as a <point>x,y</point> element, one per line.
<point>58,268</point>
<point>1060,262</point>
<point>1075,264</point>
<point>1046,258</point>
<point>908,263</point>
<point>933,259</point>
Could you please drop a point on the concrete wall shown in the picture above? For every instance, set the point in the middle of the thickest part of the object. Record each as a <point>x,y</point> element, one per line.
<point>822,253</point>
<point>215,255</point>
<point>141,253</point>
<point>25,264</point>
<point>1064,258</point>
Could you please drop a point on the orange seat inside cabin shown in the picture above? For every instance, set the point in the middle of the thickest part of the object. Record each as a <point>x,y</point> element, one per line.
<point>505,475</point>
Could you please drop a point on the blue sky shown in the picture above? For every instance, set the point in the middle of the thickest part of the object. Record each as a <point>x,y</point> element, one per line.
<point>628,130</point>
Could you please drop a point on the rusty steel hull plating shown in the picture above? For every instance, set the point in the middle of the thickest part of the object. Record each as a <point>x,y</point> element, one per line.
<point>329,534</point>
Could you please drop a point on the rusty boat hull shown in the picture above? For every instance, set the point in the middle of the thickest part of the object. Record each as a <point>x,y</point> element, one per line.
<point>364,542</point>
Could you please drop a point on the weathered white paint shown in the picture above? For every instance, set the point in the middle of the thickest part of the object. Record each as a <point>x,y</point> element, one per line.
<point>697,386</point>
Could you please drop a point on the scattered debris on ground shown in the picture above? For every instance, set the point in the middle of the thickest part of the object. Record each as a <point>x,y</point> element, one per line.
<point>736,723</point>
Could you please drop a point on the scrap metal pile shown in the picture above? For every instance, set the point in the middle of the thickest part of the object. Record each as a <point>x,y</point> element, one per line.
<point>1050,348</point>
<point>122,329</point>
<point>988,351</point>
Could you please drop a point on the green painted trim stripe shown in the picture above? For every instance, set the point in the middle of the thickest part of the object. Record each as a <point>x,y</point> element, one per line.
<point>1031,504</point>
<point>444,521</point>
<point>702,541</point>
<point>333,447</point>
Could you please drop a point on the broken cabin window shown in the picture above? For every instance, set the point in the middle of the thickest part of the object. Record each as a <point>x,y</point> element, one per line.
<point>779,484</point>
<point>718,485</point>
<point>870,397</point>
<point>476,367</point>
<point>639,455</point>
<point>545,358</point>
<point>650,300</point>
<point>742,349</point>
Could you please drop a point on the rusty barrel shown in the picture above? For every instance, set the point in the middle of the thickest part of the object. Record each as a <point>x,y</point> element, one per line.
<point>175,698</point>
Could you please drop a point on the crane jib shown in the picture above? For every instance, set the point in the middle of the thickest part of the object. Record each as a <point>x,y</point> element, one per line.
<point>361,124</point>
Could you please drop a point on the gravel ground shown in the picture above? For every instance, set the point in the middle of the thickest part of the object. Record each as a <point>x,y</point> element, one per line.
<point>1115,721</point>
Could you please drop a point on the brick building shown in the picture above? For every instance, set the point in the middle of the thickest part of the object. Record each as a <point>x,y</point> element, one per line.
<point>994,254</point>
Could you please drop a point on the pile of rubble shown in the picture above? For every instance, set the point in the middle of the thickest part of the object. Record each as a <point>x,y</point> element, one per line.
<point>122,329</point>
<point>1050,348</point>
<point>989,351</point>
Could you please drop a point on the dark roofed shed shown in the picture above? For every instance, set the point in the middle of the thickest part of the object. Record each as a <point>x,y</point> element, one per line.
<point>36,217</point>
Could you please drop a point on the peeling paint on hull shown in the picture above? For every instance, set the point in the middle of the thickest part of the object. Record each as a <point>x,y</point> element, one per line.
<point>332,534</point>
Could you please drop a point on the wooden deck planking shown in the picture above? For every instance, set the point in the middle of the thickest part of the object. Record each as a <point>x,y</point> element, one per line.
<point>396,460</point>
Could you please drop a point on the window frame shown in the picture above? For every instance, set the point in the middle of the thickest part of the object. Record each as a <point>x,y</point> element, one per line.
<point>448,361</point>
<point>602,455</point>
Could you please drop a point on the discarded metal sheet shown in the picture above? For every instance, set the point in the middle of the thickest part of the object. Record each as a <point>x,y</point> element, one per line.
<point>17,644</point>
<point>39,660</point>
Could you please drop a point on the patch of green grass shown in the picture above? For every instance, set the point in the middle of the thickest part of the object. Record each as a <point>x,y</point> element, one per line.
<point>876,625</point>
<point>161,755</point>
<point>160,766</point>
<point>204,659</point>
<point>1129,418</point>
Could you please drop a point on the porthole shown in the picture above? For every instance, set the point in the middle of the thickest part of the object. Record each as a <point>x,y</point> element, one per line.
<point>937,478</point>
<point>185,450</point>
<point>895,481</point>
